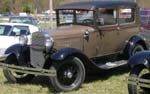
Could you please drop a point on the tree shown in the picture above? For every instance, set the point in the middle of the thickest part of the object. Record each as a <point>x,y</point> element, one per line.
<point>27,8</point>
<point>6,6</point>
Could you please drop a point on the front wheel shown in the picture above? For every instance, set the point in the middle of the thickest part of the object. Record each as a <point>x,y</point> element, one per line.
<point>16,77</point>
<point>139,72</point>
<point>70,75</point>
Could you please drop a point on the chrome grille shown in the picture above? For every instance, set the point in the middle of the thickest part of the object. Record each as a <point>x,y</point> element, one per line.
<point>37,48</point>
<point>38,39</point>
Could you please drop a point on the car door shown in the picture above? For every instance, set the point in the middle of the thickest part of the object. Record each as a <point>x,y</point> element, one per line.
<point>107,23</point>
<point>5,38</point>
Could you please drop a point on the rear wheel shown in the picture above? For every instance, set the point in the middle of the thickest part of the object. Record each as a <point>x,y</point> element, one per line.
<point>129,52</point>
<point>70,75</point>
<point>136,49</point>
<point>139,72</point>
<point>16,77</point>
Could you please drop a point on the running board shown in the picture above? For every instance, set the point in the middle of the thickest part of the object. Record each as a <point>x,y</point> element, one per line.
<point>110,65</point>
<point>29,70</point>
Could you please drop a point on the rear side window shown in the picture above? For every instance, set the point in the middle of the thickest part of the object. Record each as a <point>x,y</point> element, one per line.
<point>107,17</point>
<point>126,15</point>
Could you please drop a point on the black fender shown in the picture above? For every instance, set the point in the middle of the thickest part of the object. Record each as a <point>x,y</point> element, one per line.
<point>131,44</point>
<point>14,49</point>
<point>18,49</point>
<point>65,52</point>
<point>141,58</point>
<point>62,54</point>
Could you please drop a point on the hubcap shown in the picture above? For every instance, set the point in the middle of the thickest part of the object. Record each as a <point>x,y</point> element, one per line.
<point>68,74</point>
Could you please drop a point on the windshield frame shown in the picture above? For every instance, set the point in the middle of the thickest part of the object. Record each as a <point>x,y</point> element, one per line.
<point>74,22</point>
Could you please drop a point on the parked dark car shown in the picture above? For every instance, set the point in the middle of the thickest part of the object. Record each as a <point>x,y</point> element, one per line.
<point>98,29</point>
<point>24,19</point>
<point>145,18</point>
<point>139,78</point>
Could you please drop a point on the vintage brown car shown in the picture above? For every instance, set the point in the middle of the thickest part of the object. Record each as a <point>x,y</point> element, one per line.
<point>87,33</point>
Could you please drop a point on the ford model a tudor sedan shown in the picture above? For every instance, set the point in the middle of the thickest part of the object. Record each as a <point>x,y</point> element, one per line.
<point>87,32</point>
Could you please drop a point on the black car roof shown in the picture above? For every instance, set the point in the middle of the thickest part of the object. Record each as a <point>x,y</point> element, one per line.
<point>96,4</point>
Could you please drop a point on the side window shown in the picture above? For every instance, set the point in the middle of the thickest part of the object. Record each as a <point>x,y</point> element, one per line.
<point>20,30</point>
<point>126,15</point>
<point>107,17</point>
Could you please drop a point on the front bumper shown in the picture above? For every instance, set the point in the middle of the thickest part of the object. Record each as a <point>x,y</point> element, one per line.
<point>26,70</point>
<point>139,82</point>
<point>29,70</point>
<point>3,57</point>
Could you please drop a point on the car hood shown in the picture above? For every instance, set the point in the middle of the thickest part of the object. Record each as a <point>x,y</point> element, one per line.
<point>70,31</point>
<point>70,36</point>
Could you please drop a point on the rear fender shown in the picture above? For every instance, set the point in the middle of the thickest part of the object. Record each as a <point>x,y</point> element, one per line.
<point>141,58</point>
<point>131,44</point>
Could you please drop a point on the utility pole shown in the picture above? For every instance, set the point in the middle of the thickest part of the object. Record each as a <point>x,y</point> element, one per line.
<point>11,6</point>
<point>35,8</point>
<point>51,13</point>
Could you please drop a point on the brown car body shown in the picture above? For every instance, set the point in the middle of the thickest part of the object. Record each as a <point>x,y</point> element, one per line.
<point>103,40</point>
<point>91,37</point>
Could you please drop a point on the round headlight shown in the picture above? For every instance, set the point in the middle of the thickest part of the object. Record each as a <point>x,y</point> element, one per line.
<point>49,43</point>
<point>23,40</point>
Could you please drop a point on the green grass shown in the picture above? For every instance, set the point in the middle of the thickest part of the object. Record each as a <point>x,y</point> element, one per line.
<point>107,82</point>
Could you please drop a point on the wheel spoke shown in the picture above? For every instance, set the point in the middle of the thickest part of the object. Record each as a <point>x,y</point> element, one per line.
<point>144,74</point>
<point>67,74</point>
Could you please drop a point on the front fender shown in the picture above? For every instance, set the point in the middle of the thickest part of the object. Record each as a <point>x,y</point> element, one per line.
<point>63,53</point>
<point>139,59</point>
<point>14,49</point>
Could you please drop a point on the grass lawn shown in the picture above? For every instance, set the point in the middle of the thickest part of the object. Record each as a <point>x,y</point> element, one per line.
<point>108,82</point>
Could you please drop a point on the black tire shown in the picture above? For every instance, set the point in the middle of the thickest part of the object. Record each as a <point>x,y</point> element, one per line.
<point>70,75</point>
<point>136,49</point>
<point>15,77</point>
<point>129,52</point>
<point>135,72</point>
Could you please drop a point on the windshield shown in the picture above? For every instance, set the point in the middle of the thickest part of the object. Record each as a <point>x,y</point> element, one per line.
<point>82,17</point>
<point>4,30</point>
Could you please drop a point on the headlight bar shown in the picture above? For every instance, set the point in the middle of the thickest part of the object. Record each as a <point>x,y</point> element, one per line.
<point>140,82</point>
